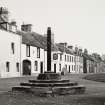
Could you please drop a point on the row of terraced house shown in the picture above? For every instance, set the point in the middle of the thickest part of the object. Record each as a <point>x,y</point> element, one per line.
<point>24,52</point>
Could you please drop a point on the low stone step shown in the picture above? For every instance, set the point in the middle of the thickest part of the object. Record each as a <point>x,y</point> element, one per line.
<point>79,89</point>
<point>21,88</point>
<point>50,81</point>
<point>46,91</point>
<point>38,91</point>
<point>35,85</point>
<point>49,84</point>
<point>41,90</point>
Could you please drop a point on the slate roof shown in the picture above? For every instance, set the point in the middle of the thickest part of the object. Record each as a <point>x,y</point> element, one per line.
<point>35,39</point>
<point>64,49</point>
<point>89,57</point>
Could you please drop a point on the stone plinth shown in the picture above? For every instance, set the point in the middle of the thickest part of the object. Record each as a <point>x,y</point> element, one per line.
<point>50,83</point>
<point>49,76</point>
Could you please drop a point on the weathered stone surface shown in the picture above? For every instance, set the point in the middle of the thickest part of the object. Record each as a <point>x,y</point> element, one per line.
<point>21,88</point>
<point>49,84</point>
<point>68,90</point>
<point>49,76</point>
<point>50,81</point>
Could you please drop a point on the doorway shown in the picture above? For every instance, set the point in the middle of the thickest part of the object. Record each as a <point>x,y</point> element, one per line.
<point>41,67</point>
<point>54,68</point>
<point>26,67</point>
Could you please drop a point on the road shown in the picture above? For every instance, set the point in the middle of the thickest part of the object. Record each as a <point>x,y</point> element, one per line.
<point>94,95</point>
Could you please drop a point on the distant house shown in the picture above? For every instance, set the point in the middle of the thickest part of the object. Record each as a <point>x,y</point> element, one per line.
<point>78,60</point>
<point>67,57</point>
<point>89,64</point>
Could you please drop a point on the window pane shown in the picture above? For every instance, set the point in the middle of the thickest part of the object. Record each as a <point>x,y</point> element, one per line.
<point>28,51</point>
<point>36,66</point>
<point>65,57</point>
<point>61,57</point>
<point>7,66</point>
<point>38,52</point>
<point>17,67</point>
<point>59,67</point>
<point>55,56</point>
<point>13,48</point>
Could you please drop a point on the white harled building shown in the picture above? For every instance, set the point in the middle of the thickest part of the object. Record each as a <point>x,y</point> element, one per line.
<point>67,57</point>
<point>32,51</point>
<point>10,59</point>
<point>10,47</point>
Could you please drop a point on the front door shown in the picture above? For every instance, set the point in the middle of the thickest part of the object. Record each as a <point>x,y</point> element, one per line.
<point>54,68</point>
<point>41,67</point>
<point>69,68</point>
<point>26,67</point>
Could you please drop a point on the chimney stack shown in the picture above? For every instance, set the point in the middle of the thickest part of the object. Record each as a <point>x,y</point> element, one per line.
<point>13,23</point>
<point>4,14</point>
<point>63,44</point>
<point>70,47</point>
<point>26,27</point>
<point>13,26</point>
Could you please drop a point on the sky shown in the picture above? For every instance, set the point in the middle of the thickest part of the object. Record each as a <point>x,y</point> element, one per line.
<point>77,22</point>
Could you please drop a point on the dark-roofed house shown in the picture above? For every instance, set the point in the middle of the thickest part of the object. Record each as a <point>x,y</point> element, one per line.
<point>34,52</point>
<point>89,64</point>
<point>78,60</point>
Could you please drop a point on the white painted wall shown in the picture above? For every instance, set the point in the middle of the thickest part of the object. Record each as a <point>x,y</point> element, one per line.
<point>68,62</point>
<point>6,38</point>
<point>32,58</point>
<point>57,62</point>
<point>62,62</point>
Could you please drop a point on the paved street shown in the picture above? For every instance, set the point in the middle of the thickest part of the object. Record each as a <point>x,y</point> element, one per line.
<point>7,83</point>
<point>94,95</point>
<point>92,87</point>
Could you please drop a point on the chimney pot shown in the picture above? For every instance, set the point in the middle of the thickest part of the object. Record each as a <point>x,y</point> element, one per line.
<point>26,27</point>
<point>70,47</point>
